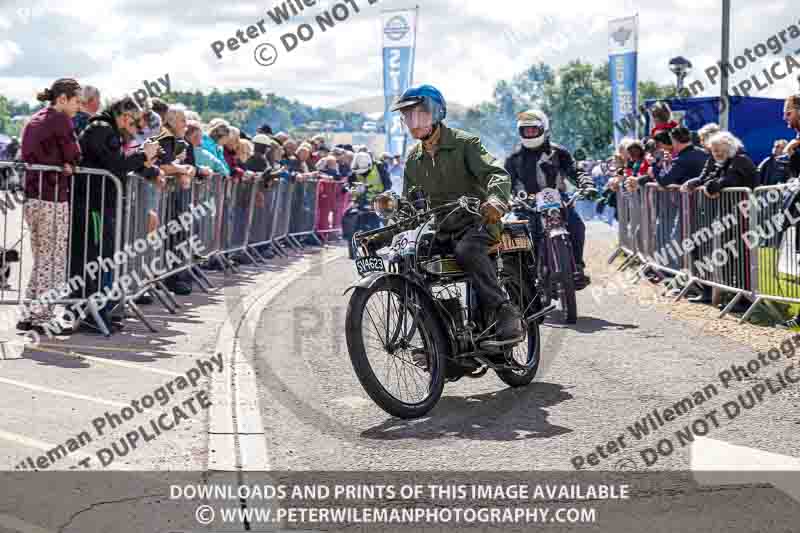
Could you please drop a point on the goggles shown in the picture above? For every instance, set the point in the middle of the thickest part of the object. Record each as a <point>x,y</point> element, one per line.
<point>417,118</point>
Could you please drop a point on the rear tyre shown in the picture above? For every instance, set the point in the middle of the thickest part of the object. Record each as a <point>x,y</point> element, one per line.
<point>566,280</point>
<point>406,381</point>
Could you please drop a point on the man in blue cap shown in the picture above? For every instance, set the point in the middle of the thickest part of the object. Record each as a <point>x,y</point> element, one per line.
<point>450,163</point>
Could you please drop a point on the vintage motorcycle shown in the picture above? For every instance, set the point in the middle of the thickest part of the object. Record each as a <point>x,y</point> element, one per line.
<point>555,262</point>
<point>413,321</point>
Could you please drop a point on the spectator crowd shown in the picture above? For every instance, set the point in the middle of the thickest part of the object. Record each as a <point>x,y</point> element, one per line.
<point>156,141</point>
<point>711,160</point>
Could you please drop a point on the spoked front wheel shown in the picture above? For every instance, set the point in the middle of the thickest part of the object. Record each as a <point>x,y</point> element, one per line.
<point>396,347</point>
<point>564,274</point>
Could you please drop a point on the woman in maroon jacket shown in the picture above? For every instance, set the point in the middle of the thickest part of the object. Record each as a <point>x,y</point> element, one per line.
<point>49,139</point>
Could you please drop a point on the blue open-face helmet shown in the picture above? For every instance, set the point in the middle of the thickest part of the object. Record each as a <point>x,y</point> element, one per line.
<point>427,95</point>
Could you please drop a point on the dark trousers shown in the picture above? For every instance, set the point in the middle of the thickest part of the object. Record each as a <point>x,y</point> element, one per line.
<point>472,255</point>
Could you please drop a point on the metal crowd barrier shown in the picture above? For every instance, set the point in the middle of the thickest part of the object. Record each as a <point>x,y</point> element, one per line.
<point>775,245</point>
<point>263,219</point>
<point>304,211</point>
<point>79,243</point>
<point>119,240</point>
<point>207,192</point>
<point>630,228</point>
<point>162,221</point>
<point>736,242</point>
<point>238,207</point>
<point>282,215</point>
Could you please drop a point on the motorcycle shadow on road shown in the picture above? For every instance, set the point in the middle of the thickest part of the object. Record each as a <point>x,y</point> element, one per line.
<point>505,415</point>
<point>590,324</point>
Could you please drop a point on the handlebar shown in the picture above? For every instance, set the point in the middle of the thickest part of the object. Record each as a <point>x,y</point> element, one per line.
<point>579,194</point>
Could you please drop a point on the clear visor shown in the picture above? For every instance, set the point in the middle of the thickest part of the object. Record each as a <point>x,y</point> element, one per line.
<point>417,118</point>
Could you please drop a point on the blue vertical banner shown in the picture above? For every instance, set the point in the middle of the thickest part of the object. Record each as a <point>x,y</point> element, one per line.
<point>622,56</point>
<point>399,44</point>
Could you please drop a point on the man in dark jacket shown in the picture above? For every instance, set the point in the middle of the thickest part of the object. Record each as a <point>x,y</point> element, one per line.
<point>687,164</point>
<point>774,169</point>
<point>791,111</point>
<point>791,205</point>
<point>539,163</point>
<point>102,147</point>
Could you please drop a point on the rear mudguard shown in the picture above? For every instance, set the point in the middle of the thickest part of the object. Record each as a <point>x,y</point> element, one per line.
<point>370,280</point>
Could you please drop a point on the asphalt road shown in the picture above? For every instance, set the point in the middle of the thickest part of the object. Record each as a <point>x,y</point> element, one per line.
<point>287,402</point>
<point>620,361</point>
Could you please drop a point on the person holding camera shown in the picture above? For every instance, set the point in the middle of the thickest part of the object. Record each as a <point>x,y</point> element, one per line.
<point>102,144</point>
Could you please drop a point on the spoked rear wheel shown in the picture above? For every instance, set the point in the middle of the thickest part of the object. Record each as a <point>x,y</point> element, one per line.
<point>526,354</point>
<point>396,348</point>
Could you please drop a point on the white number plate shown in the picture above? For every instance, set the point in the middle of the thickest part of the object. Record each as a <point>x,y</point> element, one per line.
<point>548,199</point>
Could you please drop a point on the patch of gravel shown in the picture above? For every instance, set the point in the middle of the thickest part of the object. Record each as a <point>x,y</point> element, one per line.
<point>647,295</point>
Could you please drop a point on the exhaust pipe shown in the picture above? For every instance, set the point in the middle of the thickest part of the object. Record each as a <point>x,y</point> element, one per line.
<point>541,314</point>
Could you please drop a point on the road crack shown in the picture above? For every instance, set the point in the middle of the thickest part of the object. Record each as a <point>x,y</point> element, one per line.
<point>72,518</point>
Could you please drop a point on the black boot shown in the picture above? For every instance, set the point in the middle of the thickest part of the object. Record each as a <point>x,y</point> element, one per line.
<point>509,324</point>
<point>581,280</point>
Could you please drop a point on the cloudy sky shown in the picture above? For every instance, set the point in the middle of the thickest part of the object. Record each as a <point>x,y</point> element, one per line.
<point>464,46</point>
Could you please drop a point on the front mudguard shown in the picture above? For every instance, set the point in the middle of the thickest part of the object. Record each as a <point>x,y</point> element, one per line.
<point>370,280</point>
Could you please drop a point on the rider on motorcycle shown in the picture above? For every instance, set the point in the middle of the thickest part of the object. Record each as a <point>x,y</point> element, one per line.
<point>450,163</point>
<point>539,163</point>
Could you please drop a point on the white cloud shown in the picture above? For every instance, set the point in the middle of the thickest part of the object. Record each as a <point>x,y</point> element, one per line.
<point>9,52</point>
<point>464,46</point>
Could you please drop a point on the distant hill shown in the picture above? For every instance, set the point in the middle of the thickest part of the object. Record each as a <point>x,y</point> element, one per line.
<point>374,104</point>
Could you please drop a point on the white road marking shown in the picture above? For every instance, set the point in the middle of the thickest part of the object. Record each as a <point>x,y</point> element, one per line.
<point>249,431</point>
<point>136,366</point>
<point>57,392</point>
<point>33,443</point>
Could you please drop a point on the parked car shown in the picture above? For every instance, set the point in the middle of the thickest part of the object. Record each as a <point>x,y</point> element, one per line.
<point>370,127</point>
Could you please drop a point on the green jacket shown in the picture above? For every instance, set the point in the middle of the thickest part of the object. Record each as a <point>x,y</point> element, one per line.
<point>462,167</point>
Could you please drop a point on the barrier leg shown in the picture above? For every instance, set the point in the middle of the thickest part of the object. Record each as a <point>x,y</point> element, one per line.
<point>92,307</point>
<point>750,311</point>
<point>164,297</point>
<point>246,252</point>
<point>685,290</point>
<point>297,244</point>
<point>261,259</point>
<point>138,312</point>
<point>227,263</point>
<point>315,236</point>
<point>202,275</point>
<point>197,280</point>
<point>640,273</point>
<point>278,249</point>
<point>628,261</point>
<point>731,304</point>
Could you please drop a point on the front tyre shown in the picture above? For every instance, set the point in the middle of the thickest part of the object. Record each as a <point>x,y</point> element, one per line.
<point>396,347</point>
<point>564,274</point>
